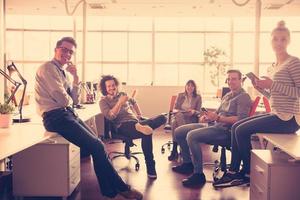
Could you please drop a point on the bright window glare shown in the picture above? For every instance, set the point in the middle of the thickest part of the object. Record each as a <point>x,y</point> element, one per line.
<point>140,74</point>
<point>163,51</point>
<point>166,74</point>
<point>166,47</point>
<point>114,46</point>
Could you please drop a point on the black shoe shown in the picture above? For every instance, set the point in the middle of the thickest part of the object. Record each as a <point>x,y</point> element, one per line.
<point>167,127</point>
<point>151,172</point>
<point>245,181</point>
<point>173,155</point>
<point>195,180</point>
<point>132,194</point>
<point>185,168</point>
<point>228,179</point>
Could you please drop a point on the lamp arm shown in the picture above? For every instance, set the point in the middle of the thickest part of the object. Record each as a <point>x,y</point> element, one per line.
<point>18,73</point>
<point>22,100</point>
<point>13,93</point>
<point>15,83</point>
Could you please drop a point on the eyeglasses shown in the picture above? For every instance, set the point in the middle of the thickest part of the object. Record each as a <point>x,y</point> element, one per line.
<point>66,50</point>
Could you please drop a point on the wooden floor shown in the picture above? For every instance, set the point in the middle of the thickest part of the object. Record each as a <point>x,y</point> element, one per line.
<point>166,186</point>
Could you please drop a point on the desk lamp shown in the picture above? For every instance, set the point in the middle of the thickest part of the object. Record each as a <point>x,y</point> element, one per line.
<point>12,68</point>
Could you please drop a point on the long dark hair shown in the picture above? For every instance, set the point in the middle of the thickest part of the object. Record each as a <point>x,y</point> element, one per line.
<point>193,83</point>
<point>105,78</point>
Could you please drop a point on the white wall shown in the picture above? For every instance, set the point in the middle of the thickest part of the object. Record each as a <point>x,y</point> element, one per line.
<point>153,100</point>
<point>2,28</point>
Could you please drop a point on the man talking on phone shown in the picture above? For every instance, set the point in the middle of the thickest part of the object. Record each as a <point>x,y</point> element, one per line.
<point>54,95</point>
<point>235,105</point>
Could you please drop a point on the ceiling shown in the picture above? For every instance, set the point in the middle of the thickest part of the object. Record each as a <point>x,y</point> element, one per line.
<point>187,8</point>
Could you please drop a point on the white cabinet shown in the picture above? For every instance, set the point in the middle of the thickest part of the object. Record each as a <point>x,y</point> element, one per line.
<point>51,168</point>
<point>273,176</point>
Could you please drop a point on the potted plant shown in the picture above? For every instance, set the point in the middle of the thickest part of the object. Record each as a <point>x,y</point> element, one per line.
<point>216,58</point>
<point>5,114</point>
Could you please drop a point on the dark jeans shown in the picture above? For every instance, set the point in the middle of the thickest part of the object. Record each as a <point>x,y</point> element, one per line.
<point>128,129</point>
<point>69,126</point>
<point>241,133</point>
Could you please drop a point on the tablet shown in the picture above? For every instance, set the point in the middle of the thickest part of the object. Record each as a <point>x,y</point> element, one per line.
<point>252,76</point>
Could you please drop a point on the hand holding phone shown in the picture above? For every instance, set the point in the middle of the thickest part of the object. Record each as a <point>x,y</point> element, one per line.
<point>252,77</point>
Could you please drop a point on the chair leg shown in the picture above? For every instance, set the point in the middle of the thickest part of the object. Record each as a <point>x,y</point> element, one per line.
<point>223,159</point>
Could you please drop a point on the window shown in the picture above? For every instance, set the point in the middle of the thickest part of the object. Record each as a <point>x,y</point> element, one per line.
<point>114,46</point>
<point>158,51</point>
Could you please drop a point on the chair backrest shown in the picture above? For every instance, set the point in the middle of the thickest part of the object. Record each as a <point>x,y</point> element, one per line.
<point>172,102</point>
<point>254,106</point>
<point>267,104</point>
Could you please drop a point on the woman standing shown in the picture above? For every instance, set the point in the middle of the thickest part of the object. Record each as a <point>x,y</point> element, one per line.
<point>187,108</point>
<point>284,89</point>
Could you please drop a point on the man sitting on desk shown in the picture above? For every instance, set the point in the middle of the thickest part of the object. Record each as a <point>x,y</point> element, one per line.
<point>235,106</point>
<point>54,95</point>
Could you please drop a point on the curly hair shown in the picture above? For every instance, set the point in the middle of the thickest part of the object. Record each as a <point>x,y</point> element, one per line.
<point>102,85</point>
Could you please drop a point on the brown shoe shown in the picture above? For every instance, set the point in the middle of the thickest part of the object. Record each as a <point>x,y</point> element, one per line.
<point>132,194</point>
<point>145,129</point>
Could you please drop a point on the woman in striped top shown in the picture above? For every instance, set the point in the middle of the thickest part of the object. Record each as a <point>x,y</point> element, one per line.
<point>284,89</point>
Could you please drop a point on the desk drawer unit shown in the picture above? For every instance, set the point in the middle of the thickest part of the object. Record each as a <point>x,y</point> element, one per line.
<point>47,169</point>
<point>273,176</point>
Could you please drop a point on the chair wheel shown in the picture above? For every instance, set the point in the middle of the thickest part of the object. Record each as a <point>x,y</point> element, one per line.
<point>163,150</point>
<point>169,146</point>
<point>137,167</point>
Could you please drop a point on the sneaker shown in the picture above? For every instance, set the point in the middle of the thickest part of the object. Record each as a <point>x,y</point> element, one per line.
<point>151,172</point>
<point>245,181</point>
<point>173,155</point>
<point>184,168</point>
<point>145,129</point>
<point>167,127</point>
<point>227,179</point>
<point>131,194</point>
<point>195,180</point>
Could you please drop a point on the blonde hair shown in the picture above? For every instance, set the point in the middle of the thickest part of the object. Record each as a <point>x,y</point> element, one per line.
<point>281,27</point>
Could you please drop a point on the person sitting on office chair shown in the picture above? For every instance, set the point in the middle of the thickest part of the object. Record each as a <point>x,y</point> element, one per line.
<point>235,106</point>
<point>54,96</point>
<point>116,106</point>
<point>187,107</point>
<point>284,118</point>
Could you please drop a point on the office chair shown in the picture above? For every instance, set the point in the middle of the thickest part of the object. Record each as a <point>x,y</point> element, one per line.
<point>128,143</point>
<point>168,126</point>
<point>221,166</point>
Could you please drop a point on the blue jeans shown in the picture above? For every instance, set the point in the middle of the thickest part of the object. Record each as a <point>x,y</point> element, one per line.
<point>189,136</point>
<point>241,133</point>
<point>128,129</point>
<point>73,129</point>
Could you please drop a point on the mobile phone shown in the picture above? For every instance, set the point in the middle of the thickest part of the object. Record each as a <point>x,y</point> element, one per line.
<point>204,109</point>
<point>252,76</point>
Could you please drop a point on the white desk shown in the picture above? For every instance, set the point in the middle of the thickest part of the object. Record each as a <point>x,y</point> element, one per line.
<point>22,141</point>
<point>21,136</point>
<point>289,143</point>
<point>273,176</point>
